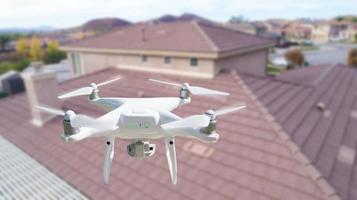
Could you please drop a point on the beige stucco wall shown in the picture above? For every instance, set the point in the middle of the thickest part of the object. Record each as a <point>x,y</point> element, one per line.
<point>250,63</point>
<point>92,62</point>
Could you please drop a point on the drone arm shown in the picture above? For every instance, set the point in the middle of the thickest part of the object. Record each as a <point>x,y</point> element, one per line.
<point>108,104</point>
<point>108,157</point>
<point>171,157</point>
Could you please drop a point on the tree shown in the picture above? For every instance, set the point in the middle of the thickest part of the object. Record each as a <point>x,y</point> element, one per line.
<point>355,36</point>
<point>52,46</point>
<point>237,19</point>
<point>36,52</point>
<point>53,53</point>
<point>352,57</point>
<point>295,58</point>
<point>4,39</point>
<point>22,47</point>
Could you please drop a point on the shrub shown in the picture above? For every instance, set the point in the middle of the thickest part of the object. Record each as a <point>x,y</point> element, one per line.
<point>295,58</point>
<point>54,56</point>
<point>17,66</point>
<point>352,57</point>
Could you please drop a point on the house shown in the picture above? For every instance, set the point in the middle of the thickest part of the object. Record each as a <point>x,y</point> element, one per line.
<point>254,158</point>
<point>320,32</point>
<point>298,32</point>
<point>341,30</point>
<point>194,48</point>
<point>317,108</point>
<point>243,27</point>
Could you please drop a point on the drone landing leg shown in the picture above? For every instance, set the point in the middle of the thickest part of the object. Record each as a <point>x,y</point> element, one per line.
<point>108,157</point>
<point>171,157</point>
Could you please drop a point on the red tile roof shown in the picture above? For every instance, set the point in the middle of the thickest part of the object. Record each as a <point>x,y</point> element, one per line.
<point>179,36</point>
<point>252,160</point>
<point>328,137</point>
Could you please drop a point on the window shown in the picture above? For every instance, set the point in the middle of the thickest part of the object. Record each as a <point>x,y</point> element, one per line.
<point>144,58</point>
<point>167,60</point>
<point>194,62</point>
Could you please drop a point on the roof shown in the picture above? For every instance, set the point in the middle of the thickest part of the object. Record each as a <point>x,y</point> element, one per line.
<point>250,161</point>
<point>194,36</point>
<point>327,136</point>
<point>21,177</point>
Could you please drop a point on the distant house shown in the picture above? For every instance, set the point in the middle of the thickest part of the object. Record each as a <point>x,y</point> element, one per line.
<point>298,32</point>
<point>243,27</point>
<point>320,32</point>
<point>342,31</point>
<point>195,48</point>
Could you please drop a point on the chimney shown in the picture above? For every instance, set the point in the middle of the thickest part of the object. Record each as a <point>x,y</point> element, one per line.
<point>143,35</point>
<point>41,89</point>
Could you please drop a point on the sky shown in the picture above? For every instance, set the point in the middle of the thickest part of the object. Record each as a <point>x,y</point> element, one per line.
<point>68,13</point>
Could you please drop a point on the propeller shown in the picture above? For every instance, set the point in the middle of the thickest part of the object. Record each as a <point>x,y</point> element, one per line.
<point>195,90</point>
<point>77,120</point>
<point>202,120</point>
<point>229,109</point>
<point>86,90</point>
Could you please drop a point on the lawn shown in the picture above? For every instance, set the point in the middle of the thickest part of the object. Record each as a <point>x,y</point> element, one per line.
<point>272,70</point>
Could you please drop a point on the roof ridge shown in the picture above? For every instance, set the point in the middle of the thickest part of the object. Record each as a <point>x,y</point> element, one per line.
<point>323,75</point>
<point>218,26</point>
<point>205,36</point>
<point>297,154</point>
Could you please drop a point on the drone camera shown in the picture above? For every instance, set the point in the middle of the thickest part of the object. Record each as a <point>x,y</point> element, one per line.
<point>67,127</point>
<point>212,123</point>
<point>141,149</point>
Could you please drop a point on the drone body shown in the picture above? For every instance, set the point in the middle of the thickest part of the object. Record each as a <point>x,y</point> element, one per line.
<point>140,120</point>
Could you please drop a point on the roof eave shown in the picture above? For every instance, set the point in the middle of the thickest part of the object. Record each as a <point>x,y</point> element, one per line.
<point>207,55</point>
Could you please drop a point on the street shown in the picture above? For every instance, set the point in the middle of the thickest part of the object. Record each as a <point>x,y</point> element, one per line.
<point>328,54</point>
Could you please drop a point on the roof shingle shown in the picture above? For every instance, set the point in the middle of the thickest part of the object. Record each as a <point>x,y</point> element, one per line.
<point>327,136</point>
<point>179,36</point>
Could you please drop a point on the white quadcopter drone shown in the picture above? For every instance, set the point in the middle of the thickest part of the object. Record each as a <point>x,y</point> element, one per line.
<point>140,120</point>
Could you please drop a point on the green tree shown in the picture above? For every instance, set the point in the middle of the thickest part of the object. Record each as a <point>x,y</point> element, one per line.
<point>36,52</point>
<point>237,19</point>
<point>352,57</point>
<point>22,47</point>
<point>355,36</point>
<point>4,39</point>
<point>53,53</point>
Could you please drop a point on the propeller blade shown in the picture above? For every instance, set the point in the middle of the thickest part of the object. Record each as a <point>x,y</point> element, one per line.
<point>79,121</point>
<point>204,91</point>
<point>108,158</point>
<point>171,157</point>
<point>49,110</point>
<point>230,109</point>
<point>165,82</point>
<point>192,121</point>
<point>108,82</point>
<point>78,92</point>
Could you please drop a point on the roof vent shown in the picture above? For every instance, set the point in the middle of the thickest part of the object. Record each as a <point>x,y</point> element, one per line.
<point>198,149</point>
<point>346,154</point>
<point>354,114</point>
<point>140,94</point>
<point>321,106</point>
<point>143,38</point>
<point>162,32</point>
